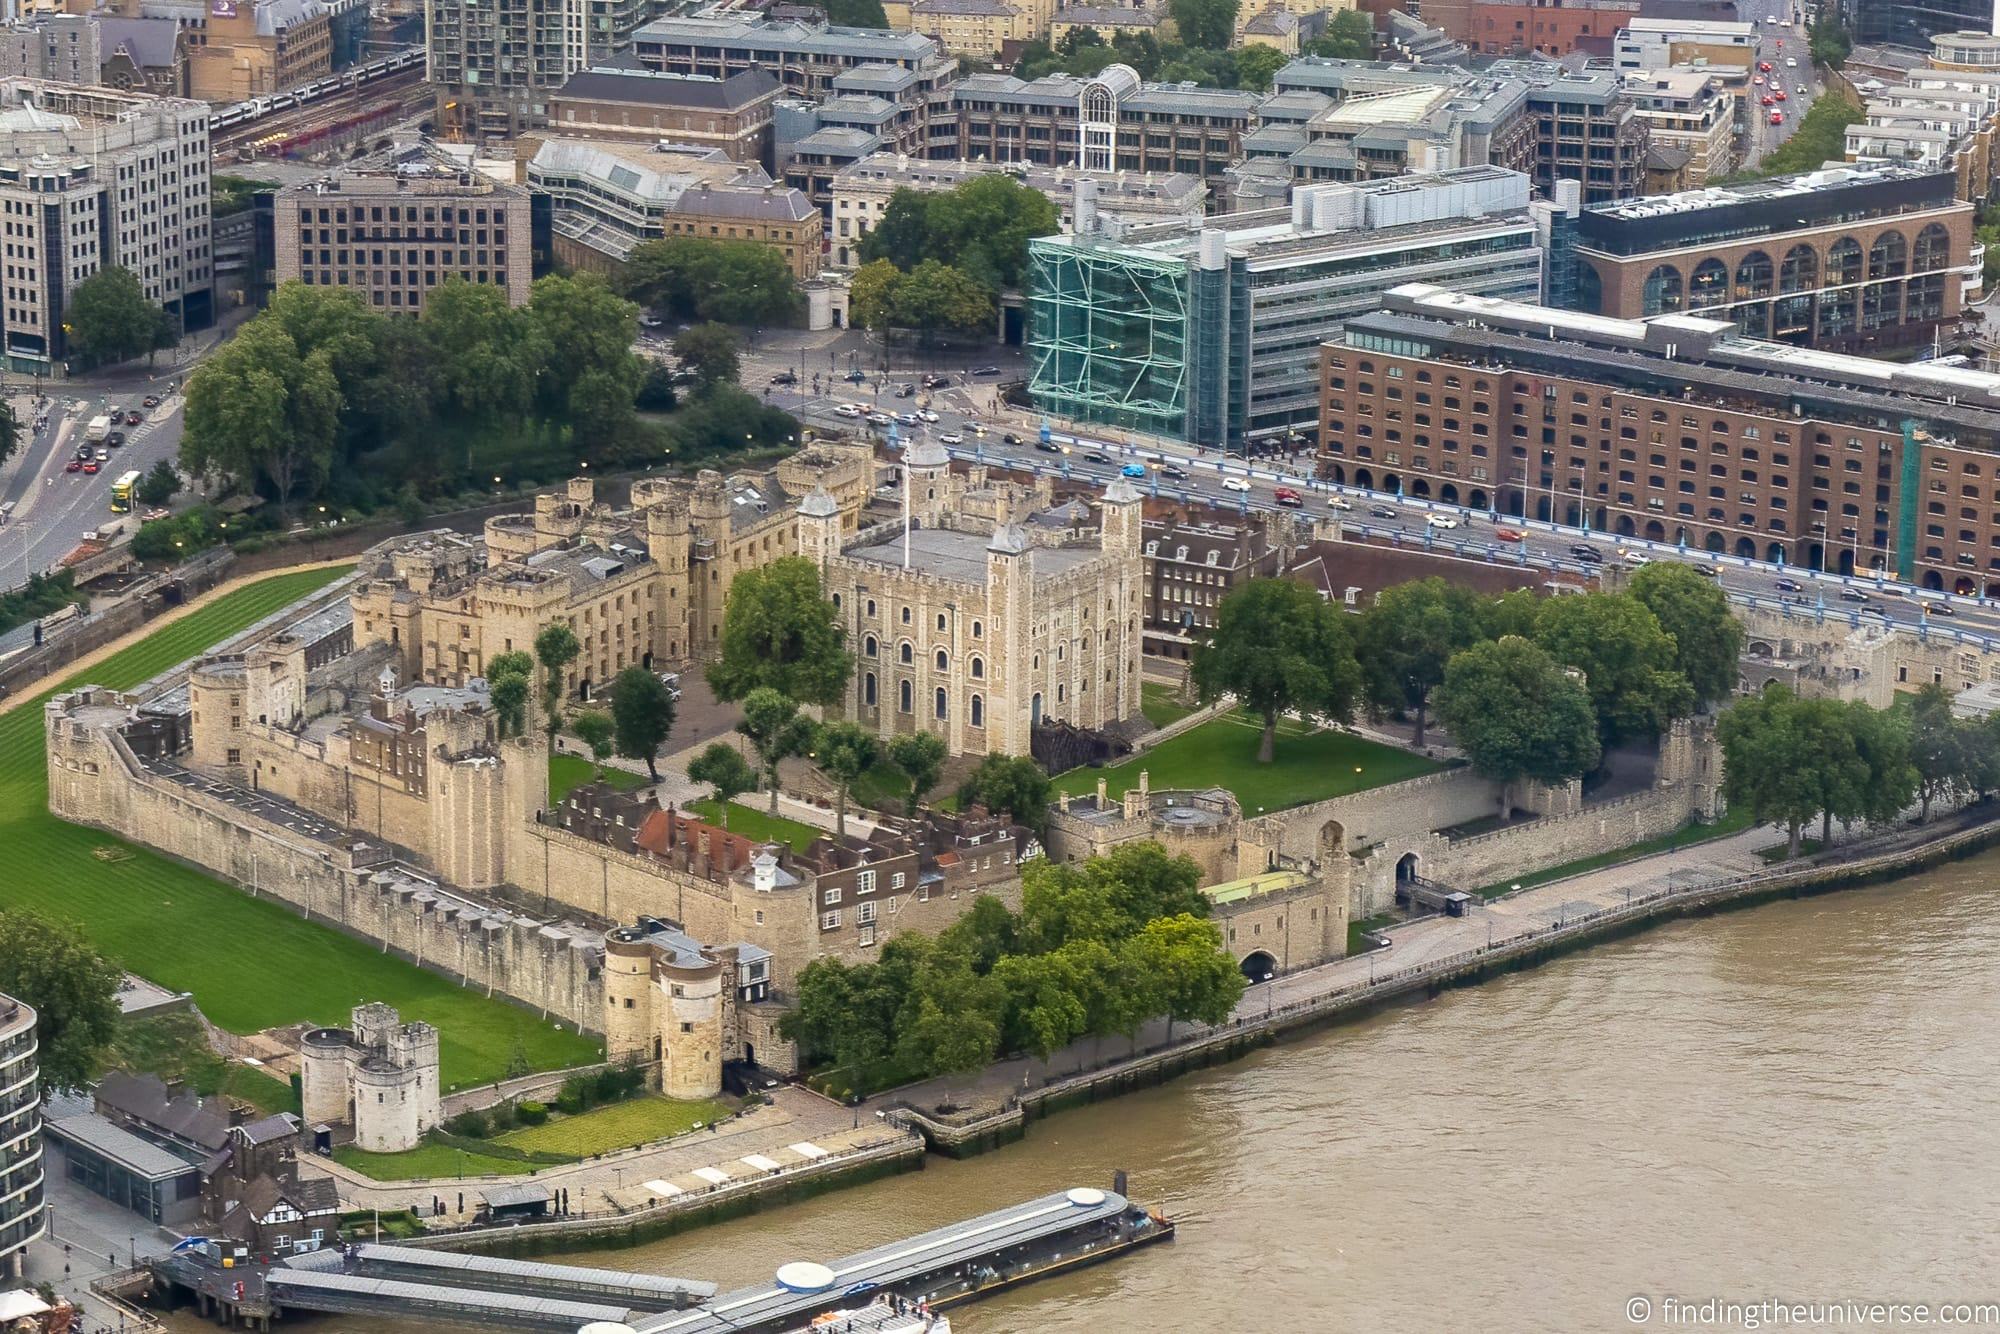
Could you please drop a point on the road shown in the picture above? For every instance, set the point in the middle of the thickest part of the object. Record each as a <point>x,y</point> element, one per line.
<point>1777,43</point>
<point>965,409</point>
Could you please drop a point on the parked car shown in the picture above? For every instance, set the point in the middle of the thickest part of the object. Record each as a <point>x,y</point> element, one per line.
<point>1235,484</point>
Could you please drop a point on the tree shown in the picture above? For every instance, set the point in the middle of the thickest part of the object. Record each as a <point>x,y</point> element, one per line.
<point>723,768</point>
<point>160,483</point>
<point>779,630</point>
<point>485,358</point>
<point>951,1023</point>
<point>1518,715</point>
<point>776,731</point>
<point>1882,740</point>
<point>258,406</point>
<point>1013,784</point>
<point>1350,36</point>
<point>1409,635</point>
<point>642,716</point>
<point>935,296</point>
<point>10,431</point>
<point>1205,24</point>
<point>1943,750</point>
<point>1770,761</point>
<point>70,986</point>
<point>1827,39</point>
<point>510,703</point>
<point>555,649</point>
<point>596,730</point>
<point>1278,647</point>
<point>1257,65</point>
<point>981,227</point>
<point>871,293</point>
<point>734,282</point>
<point>708,352</point>
<point>919,757</point>
<point>844,752</point>
<point>1197,979</point>
<point>582,333</point>
<point>856,14</point>
<point>1512,613</point>
<point>1695,611</point>
<point>108,318</point>
<point>1046,1007</point>
<point>1627,662</point>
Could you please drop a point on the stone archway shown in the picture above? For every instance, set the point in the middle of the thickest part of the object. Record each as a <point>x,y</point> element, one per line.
<point>1407,868</point>
<point>1259,966</point>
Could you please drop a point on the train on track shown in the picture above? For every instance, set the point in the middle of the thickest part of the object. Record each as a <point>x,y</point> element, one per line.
<point>360,76</point>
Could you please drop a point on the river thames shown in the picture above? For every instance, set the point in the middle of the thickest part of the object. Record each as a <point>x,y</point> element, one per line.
<point>1791,1102</point>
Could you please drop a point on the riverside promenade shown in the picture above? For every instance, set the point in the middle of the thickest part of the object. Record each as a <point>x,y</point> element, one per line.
<point>1422,957</point>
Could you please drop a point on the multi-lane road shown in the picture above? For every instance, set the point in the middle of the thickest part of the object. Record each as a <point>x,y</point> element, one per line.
<point>1777,43</point>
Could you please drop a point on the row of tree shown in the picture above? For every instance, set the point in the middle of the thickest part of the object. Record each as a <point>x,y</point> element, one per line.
<point>1098,948</point>
<point>730,282</point>
<point>1203,55</point>
<point>1787,759</point>
<point>1605,668</point>
<point>936,261</point>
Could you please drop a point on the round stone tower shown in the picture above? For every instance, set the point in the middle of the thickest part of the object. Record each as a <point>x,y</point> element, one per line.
<point>693,1029</point>
<point>387,1106</point>
<point>323,1075</point>
<point>629,1024</point>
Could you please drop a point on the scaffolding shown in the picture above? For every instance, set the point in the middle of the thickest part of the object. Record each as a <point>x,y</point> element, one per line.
<point>1109,335</point>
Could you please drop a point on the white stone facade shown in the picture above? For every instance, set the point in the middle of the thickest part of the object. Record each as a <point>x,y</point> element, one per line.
<point>381,1076</point>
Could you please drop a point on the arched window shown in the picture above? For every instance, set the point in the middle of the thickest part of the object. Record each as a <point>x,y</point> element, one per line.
<point>940,622</point>
<point>906,653</point>
<point>1889,256</point>
<point>868,690</point>
<point>978,630</point>
<point>938,703</point>
<point>1753,276</point>
<point>1843,261</point>
<point>1708,285</point>
<point>978,668</point>
<point>869,648</point>
<point>906,616</point>
<point>979,711</point>
<point>1800,272</point>
<point>836,602</point>
<point>1933,249</point>
<point>904,697</point>
<point>871,606</point>
<point>1663,290</point>
<point>943,661</point>
<point>1589,290</point>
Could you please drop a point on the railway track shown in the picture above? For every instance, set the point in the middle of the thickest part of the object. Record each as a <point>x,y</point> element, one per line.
<point>307,127</point>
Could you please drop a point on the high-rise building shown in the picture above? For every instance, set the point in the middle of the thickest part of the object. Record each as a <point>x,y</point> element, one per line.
<point>497,66</point>
<point>23,1215</point>
<point>96,177</point>
<point>1211,333</point>
<point>1676,429</point>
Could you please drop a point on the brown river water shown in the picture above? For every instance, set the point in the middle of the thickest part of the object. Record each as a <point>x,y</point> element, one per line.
<point>1794,1102</point>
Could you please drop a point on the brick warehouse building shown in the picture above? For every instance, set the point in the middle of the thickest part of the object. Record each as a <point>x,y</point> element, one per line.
<point>1851,258</point>
<point>1675,428</point>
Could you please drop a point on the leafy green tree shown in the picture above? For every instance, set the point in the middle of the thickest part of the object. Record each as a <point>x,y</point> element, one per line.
<point>556,648</point>
<point>901,236</point>
<point>70,986</point>
<point>10,431</point>
<point>871,293</point>
<point>1707,638</point>
<point>776,731</point>
<point>1278,647</point>
<point>987,932</point>
<point>856,14</point>
<point>1184,955</point>
<point>656,390</point>
<point>596,730</point>
<point>1046,1005</point>
<point>1771,760</point>
<point>708,352</point>
<point>1943,750</point>
<point>485,357</point>
<point>1349,36</point>
<point>1518,715</point>
<point>517,663</point>
<point>1107,897</point>
<point>108,318</point>
<point>1013,784</point>
<point>1512,613</point>
<point>951,1022</point>
<point>779,630</point>
<point>1882,740</point>
<point>160,484</point>
<point>257,407</point>
<point>844,752</point>
<point>642,715</point>
<point>934,297</point>
<point>919,757</point>
<point>723,768</point>
<point>1828,40</point>
<point>1205,24</point>
<point>980,228</point>
<point>510,703</point>
<point>733,282</point>
<point>1257,65</point>
<point>583,332</point>
<point>1627,661</point>
<point>1409,635</point>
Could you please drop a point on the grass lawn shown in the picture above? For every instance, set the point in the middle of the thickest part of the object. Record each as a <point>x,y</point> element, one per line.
<point>1161,703</point>
<point>427,1160</point>
<point>1735,822</point>
<point>882,783</point>
<point>175,1047</point>
<point>1310,765</point>
<point>250,963</point>
<point>617,1126</point>
<point>567,771</point>
<point>757,824</point>
<point>1356,930</point>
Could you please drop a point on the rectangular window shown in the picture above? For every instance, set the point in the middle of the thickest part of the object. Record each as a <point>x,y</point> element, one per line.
<point>829,921</point>
<point>864,883</point>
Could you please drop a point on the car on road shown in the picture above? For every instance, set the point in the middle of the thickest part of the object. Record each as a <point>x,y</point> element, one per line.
<point>926,415</point>
<point>985,370</point>
<point>951,438</point>
<point>1777,118</point>
<point>1589,555</point>
<point>975,428</point>
<point>1706,571</point>
<point>74,465</point>
<point>134,418</point>
<point>1789,586</point>
<point>1801,90</point>
<point>1289,498</point>
<point>1791,62</point>
<point>1510,535</point>
<point>1757,82</point>
<point>880,419</point>
<point>103,454</point>
<point>1235,484</point>
<point>1780,95</point>
<point>1133,470</point>
<point>1174,471</point>
<point>1853,595</point>
<point>783,378</point>
<point>1048,447</point>
<point>856,377</point>
<point>907,418</point>
<point>1440,521</point>
<point>1010,439</point>
<point>90,467</point>
<point>1339,503</point>
<point>906,391</point>
<point>1937,608</point>
<point>1763,67</point>
<point>1634,556</point>
<point>1767,100</point>
<point>1095,457</point>
<point>153,400</point>
<point>83,452</point>
<point>937,382</point>
<point>1382,512</point>
<point>847,410</point>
